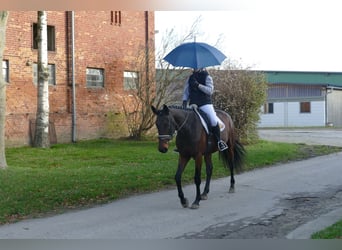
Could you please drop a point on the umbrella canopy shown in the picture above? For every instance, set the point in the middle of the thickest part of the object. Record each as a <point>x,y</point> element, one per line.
<point>195,55</point>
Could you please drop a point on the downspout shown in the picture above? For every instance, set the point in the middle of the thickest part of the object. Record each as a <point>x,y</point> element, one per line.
<point>147,51</point>
<point>73,77</point>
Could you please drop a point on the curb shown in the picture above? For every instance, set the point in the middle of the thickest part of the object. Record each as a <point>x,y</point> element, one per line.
<point>306,230</point>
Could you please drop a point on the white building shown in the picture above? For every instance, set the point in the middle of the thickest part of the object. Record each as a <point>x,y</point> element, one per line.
<point>302,99</point>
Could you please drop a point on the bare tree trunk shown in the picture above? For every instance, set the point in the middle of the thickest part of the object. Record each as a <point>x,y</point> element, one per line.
<point>41,138</point>
<point>3,23</point>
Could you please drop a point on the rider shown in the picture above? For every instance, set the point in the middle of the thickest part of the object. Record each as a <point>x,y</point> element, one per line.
<point>198,90</point>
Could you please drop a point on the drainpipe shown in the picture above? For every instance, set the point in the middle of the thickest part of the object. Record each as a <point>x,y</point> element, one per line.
<point>147,51</point>
<point>73,77</point>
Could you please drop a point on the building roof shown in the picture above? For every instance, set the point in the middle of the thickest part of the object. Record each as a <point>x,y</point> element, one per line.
<point>305,77</point>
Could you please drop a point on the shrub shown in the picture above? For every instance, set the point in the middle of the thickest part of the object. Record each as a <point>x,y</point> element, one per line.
<point>241,93</point>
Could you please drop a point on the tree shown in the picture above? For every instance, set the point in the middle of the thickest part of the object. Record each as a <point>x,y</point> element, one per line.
<point>240,92</point>
<point>156,89</point>
<point>3,23</point>
<point>136,105</point>
<point>41,138</point>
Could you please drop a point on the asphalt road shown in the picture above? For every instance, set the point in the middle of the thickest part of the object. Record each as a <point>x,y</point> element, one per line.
<point>284,201</point>
<point>314,136</point>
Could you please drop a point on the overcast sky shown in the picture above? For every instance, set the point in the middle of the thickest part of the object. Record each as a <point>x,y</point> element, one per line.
<point>301,38</point>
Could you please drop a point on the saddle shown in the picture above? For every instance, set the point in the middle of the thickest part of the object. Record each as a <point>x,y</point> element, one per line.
<point>205,120</point>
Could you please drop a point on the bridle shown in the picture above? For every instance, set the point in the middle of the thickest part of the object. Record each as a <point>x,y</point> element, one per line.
<point>173,126</point>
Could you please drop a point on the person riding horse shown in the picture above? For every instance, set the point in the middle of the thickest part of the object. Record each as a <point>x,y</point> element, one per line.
<point>198,90</point>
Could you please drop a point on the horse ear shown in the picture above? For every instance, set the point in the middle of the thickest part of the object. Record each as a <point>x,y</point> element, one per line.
<point>154,110</point>
<point>166,109</point>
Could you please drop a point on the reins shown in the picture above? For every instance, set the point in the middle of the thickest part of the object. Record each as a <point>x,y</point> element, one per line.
<point>170,136</point>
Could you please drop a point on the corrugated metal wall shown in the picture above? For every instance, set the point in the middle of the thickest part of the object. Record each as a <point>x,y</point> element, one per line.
<point>334,107</point>
<point>284,91</point>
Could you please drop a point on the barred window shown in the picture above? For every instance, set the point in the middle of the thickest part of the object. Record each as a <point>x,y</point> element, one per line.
<point>51,39</point>
<point>131,80</point>
<point>95,77</point>
<point>5,70</point>
<point>52,74</point>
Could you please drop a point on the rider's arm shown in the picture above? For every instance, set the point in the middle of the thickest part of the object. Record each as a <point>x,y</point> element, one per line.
<point>208,88</point>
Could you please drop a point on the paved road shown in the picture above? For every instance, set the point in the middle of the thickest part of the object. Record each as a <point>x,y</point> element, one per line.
<point>314,136</point>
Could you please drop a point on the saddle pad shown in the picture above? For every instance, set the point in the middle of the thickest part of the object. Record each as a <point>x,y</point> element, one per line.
<point>204,124</point>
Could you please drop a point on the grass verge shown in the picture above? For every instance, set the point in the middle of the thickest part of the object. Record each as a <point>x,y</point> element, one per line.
<point>332,232</point>
<point>67,176</point>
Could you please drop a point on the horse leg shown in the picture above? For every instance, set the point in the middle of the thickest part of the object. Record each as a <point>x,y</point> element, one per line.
<point>182,161</point>
<point>209,171</point>
<point>197,179</point>
<point>231,167</point>
<point>232,181</point>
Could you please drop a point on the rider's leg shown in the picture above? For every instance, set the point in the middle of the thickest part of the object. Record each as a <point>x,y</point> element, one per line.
<point>217,133</point>
<point>210,111</point>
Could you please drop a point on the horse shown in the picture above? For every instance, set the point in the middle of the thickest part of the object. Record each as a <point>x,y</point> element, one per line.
<point>193,142</point>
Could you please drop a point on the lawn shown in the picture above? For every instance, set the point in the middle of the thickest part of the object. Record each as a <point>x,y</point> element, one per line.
<point>67,176</point>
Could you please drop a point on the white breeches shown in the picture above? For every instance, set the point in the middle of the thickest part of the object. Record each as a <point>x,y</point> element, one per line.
<point>210,111</point>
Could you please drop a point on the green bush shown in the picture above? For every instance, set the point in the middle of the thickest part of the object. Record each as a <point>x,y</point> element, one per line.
<point>241,93</point>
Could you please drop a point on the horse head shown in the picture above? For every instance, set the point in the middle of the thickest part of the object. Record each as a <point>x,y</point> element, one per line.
<point>165,124</point>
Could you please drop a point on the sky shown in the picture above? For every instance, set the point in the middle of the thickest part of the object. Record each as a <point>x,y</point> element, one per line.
<point>285,38</point>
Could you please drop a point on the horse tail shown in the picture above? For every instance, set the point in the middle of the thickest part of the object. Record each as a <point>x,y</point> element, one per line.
<point>233,157</point>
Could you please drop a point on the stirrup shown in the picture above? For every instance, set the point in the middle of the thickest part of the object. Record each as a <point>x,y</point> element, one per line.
<point>222,145</point>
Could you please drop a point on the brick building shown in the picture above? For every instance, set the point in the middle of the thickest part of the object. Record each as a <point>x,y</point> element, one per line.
<point>106,44</point>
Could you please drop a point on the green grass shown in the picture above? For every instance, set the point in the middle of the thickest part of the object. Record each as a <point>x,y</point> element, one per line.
<point>66,176</point>
<point>332,232</point>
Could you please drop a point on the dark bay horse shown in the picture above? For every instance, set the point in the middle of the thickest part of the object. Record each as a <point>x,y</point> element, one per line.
<point>193,142</point>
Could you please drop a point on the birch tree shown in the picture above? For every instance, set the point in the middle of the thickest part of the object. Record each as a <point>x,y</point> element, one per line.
<point>41,138</point>
<point>3,23</point>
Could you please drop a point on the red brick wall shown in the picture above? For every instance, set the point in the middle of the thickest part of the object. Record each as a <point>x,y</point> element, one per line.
<point>98,44</point>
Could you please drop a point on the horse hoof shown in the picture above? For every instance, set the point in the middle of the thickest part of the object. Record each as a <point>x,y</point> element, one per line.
<point>185,203</point>
<point>204,197</point>
<point>231,190</point>
<point>194,206</point>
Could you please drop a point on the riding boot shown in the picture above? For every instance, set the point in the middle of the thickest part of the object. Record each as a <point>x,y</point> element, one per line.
<point>220,143</point>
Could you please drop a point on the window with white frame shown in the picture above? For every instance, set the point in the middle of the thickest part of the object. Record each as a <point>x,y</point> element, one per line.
<point>131,80</point>
<point>5,70</point>
<point>95,77</point>
<point>52,74</point>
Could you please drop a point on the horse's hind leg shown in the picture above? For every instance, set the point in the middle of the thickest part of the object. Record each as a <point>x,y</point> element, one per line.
<point>209,171</point>
<point>178,177</point>
<point>232,179</point>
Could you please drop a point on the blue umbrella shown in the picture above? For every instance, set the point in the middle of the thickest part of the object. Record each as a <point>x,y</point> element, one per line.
<point>195,55</point>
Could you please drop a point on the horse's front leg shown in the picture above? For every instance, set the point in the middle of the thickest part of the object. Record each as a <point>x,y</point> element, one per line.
<point>182,161</point>
<point>197,179</point>
<point>209,171</point>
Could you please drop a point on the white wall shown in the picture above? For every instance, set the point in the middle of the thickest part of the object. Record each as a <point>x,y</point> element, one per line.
<point>286,114</point>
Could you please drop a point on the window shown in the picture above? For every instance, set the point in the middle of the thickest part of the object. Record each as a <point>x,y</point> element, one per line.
<point>115,18</point>
<point>268,108</point>
<point>52,74</point>
<point>5,70</point>
<point>131,80</point>
<point>95,77</point>
<point>50,37</point>
<point>305,107</point>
